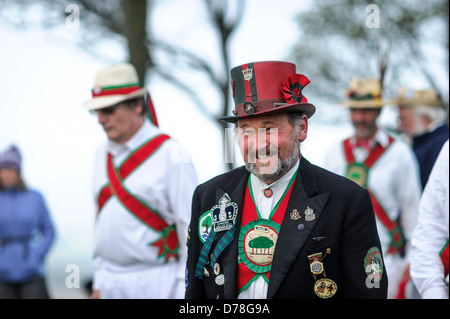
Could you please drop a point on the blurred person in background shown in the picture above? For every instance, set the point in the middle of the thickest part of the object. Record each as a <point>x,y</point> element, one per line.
<point>143,186</point>
<point>26,233</point>
<point>423,120</point>
<point>385,166</point>
<point>430,252</point>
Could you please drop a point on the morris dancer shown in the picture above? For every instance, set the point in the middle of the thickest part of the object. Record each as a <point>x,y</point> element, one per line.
<point>143,185</point>
<point>388,169</point>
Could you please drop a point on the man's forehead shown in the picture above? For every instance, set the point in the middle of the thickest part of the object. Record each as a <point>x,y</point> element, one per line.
<point>263,121</point>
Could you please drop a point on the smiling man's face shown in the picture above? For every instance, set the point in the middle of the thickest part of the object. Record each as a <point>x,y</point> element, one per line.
<point>270,145</point>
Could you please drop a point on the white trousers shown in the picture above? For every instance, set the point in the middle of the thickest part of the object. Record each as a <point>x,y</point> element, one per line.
<point>156,282</point>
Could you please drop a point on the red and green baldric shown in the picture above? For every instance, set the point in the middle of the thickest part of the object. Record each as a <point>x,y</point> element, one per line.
<point>168,242</point>
<point>359,173</point>
<point>258,238</point>
<point>124,89</point>
<point>444,257</point>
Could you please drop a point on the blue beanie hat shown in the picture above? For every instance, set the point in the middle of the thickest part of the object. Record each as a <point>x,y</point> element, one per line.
<point>11,158</point>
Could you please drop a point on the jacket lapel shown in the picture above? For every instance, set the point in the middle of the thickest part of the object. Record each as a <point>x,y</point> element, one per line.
<point>291,239</point>
<point>236,190</point>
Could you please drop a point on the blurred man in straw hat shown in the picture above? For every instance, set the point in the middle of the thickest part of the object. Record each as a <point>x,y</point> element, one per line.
<point>143,185</point>
<point>388,169</point>
<point>422,119</point>
<point>280,227</point>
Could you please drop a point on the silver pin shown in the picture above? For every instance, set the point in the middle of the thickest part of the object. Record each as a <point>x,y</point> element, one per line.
<point>309,214</point>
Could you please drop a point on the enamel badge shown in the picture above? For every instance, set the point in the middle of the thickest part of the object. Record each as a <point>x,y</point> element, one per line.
<point>325,288</point>
<point>223,215</point>
<point>295,215</point>
<point>316,265</point>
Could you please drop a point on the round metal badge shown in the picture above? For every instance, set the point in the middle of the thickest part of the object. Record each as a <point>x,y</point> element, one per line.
<point>316,267</point>
<point>325,288</point>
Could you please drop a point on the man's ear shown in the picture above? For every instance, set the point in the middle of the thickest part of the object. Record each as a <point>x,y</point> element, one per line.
<point>303,131</point>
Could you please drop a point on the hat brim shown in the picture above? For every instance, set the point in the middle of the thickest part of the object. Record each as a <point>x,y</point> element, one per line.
<point>101,102</point>
<point>306,108</point>
<point>375,104</point>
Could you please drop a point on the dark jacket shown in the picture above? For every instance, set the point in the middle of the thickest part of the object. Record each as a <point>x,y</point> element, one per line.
<point>344,222</point>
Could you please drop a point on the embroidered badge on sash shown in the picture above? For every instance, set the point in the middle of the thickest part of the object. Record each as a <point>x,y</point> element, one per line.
<point>373,264</point>
<point>224,214</point>
<point>257,241</point>
<point>357,172</point>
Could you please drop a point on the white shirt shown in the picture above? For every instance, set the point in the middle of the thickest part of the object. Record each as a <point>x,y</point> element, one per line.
<point>393,180</point>
<point>165,182</point>
<point>432,232</point>
<point>258,289</point>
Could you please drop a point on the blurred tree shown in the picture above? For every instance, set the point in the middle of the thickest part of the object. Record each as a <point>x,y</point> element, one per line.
<point>350,38</point>
<point>127,21</point>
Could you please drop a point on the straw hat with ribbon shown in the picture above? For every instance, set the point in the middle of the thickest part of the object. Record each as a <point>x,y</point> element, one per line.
<point>262,88</point>
<point>117,84</point>
<point>414,98</point>
<point>364,93</point>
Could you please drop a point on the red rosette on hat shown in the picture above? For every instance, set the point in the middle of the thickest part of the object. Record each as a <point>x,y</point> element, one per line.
<point>291,88</point>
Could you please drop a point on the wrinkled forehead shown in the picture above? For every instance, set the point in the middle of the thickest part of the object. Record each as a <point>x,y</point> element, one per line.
<point>274,120</point>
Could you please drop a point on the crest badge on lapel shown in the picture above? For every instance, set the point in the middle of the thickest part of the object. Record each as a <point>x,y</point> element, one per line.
<point>224,214</point>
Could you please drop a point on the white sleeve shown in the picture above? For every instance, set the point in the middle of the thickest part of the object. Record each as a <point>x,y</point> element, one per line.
<point>432,232</point>
<point>182,181</point>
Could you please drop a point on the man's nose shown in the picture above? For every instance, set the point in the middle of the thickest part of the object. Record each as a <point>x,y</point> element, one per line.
<point>101,118</point>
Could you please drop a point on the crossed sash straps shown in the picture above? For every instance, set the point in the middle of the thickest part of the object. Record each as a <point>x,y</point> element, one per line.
<point>397,238</point>
<point>168,242</point>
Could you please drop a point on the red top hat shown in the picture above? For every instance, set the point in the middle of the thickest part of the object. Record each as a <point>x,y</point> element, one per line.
<point>261,88</point>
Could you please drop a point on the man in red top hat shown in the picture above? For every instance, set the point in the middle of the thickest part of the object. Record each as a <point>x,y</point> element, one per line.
<point>280,227</point>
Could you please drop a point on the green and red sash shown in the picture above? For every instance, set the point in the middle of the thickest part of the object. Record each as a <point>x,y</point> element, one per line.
<point>257,237</point>
<point>444,257</point>
<point>359,173</point>
<point>168,242</point>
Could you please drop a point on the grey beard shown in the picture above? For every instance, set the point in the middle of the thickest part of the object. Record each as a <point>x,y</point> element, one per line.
<point>283,167</point>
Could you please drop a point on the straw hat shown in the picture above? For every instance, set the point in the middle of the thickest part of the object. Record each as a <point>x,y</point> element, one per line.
<point>411,98</point>
<point>114,85</point>
<point>261,88</point>
<point>364,93</point>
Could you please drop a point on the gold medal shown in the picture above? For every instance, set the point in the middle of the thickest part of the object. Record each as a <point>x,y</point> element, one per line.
<point>325,288</point>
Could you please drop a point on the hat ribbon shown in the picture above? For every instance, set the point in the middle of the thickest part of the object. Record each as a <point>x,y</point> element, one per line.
<point>357,97</point>
<point>126,89</point>
<point>115,90</point>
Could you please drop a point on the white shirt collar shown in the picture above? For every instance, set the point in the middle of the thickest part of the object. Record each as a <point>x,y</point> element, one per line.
<point>142,135</point>
<point>380,137</point>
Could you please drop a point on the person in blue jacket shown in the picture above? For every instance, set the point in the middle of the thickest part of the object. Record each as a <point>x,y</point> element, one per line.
<point>26,233</point>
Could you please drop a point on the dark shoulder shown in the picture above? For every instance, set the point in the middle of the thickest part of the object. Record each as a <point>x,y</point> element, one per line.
<point>224,179</point>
